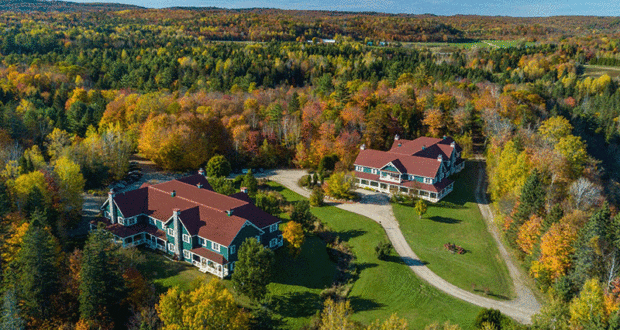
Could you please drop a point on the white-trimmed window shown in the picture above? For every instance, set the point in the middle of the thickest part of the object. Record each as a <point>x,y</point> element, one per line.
<point>171,247</point>
<point>232,249</point>
<point>232,265</point>
<point>186,254</point>
<point>201,241</point>
<point>215,246</point>
<point>120,220</point>
<point>186,238</point>
<point>257,238</point>
<point>273,228</point>
<point>273,242</point>
<point>428,180</point>
<point>170,231</point>
<point>131,221</point>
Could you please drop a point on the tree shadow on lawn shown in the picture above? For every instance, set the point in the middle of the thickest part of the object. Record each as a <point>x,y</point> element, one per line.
<point>444,219</point>
<point>491,294</point>
<point>296,304</point>
<point>406,261</point>
<point>361,304</point>
<point>349,234</point>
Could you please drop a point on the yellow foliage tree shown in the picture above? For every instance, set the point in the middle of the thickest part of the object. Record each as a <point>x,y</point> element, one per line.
<point>392,323</point>
<point>573,149</point>
<point>433,118</point>
<point>555,128</point>
<point>13,243</point>
<point>529,233</point>
<point>24,184</point>
<point>556,250</point>
<point>293,233</point>
<point>71,184</point>
<point>511,171</point>
<point>336,315</point>
<point>589,307</point>
<point>210,306</point>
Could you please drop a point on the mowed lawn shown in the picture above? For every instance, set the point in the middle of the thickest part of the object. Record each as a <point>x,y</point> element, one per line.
<point>387,287</point>
<point>457,220</point>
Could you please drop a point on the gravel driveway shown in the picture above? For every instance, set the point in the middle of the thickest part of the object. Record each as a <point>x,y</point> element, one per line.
<point>376,206</point>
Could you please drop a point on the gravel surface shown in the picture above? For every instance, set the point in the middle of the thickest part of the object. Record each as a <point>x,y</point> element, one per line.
<point>376,206</point>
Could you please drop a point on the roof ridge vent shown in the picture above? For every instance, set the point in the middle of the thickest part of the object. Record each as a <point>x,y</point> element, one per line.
<point>229,212</point>
<point>173,193</point>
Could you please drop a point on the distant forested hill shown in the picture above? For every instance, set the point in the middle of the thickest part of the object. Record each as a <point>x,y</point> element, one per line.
<point>61,6</point>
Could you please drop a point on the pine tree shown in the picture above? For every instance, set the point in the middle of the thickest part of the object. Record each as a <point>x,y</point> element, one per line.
<point>10,318</point>
<point>253,269</point>
<point>36,272</point>
<point>101,284</point>
<point>249,181</point>
<point>531,201</point>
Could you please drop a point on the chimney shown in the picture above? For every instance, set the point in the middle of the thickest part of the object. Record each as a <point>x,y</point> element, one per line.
<point>111,208</point>
<point>396,137</point>
<point>399,144</point>
<point>440,158</point>
<point>453,144</point>
<point>244,190</point>
<point>199,185</point>
<point>201,171</point>
<point>423,147</point>
<point>174,193</point>
<point>445,137</point>
<point>229,212</point>
<point>363,147</point>
<point>178,245</point>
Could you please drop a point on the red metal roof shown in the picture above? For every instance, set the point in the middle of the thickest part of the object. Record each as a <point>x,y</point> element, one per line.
<point>437,187</point>
<point>203,211</point>
<point>415,165</point>
<point>203,252</point>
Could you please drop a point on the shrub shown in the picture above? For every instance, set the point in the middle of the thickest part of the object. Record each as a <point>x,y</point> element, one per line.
<point>317,196</point>
<point>383,250</point>
<point>218,165</point>
<point>492,316</point>
<point>339,186</point>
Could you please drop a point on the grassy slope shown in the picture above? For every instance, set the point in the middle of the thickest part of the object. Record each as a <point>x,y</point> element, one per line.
<point>459,221</point>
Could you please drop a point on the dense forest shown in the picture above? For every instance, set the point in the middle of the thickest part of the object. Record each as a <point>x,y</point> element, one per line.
<point>81,92</point>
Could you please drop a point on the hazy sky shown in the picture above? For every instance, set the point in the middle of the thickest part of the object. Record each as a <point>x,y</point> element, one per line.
<point>439,7</point>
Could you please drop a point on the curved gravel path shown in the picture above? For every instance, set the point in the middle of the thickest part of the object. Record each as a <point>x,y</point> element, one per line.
<point>376,206</point>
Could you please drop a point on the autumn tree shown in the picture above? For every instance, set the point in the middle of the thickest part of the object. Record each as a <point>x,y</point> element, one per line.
<point>420,207</point>
<point>317,197</point>
<point>293,233</point>
<point>70,183</point>
<point>253,269</point>
<point>528,234</point>
<point>392,323</point>
<point>339,185</point>
<point>556,250</point>
<point>588,310</point>
<point>209,306</point>
<point>336,315</point>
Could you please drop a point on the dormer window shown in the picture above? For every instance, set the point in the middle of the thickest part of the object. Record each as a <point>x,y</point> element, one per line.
<point>273,228</point>
<point>215,247</point>
<point>170,232</point>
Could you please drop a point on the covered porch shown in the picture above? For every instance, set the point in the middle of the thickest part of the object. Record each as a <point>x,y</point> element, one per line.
<point>209,262</point>
<point>432,193</point>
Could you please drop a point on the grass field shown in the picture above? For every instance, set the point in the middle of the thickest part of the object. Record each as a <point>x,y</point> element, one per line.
<point>458,220</point>
<point>474,44</point>
<point>596,71</point>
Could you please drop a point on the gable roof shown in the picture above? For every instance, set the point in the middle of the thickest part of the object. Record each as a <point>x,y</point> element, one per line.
<point>415,165</point>
<point>203,211</point>
<point>417,157</point>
